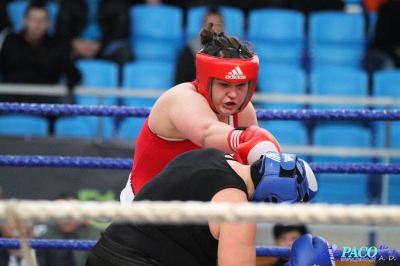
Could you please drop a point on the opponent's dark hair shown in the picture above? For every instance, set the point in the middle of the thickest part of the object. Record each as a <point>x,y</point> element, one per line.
<point>280,229</point>
<point>222,45</point>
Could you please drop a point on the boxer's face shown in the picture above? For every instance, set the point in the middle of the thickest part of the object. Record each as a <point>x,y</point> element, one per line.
<point>228,97</point>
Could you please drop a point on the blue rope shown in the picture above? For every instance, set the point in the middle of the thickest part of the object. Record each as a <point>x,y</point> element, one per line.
<point>75,244</point>
<point>72,244</point>
<point>70,110</point>
<point>71,162</point>
<point>119,163</point>
<point>262,115</point>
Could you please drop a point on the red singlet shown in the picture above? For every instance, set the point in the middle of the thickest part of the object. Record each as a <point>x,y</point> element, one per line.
<point>153,153</point>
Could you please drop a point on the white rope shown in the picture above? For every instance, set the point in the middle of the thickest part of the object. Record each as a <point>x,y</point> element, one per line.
<point>199,212</point>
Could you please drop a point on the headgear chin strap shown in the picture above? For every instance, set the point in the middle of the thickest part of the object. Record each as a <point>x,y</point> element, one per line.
<point>232,70</point>
<point>280,177</point>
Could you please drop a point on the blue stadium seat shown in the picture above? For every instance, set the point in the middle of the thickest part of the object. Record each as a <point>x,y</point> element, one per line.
<point>97,74</point>
<point>372,19</point>
<point>386,83</point>
<point>338,81</point>
<point>279,54</point>
<point>342,135</point>
<point>394,188</point>
<point>143,75</point>
<point>336,27</point>
<point>130,127</point>
<point>278,34</point>
<point>288,133</point>
<point>234,21</point>
<point>274,24</point>
<point>23,125</point>
<point>16,12</point>
<point>148,75</point>
<point>85,127</point>
<point>281,79</point>
<point>334,55</point>
<point>388,140</point>
<point>340,31</point>
<point>342,188</point>
<point>77,127</point>
<point>156,31</point>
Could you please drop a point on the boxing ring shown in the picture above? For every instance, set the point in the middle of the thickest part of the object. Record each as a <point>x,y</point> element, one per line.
<point>15,211</point>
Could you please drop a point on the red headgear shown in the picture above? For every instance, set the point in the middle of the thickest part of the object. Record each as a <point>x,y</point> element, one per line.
<point>227,69</point>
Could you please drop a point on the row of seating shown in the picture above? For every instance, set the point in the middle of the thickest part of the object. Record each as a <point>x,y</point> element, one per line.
<point>326,81</point>
<point>280,35</point>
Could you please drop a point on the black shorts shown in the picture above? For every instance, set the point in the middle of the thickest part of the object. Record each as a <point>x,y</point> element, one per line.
<point>109,253</point>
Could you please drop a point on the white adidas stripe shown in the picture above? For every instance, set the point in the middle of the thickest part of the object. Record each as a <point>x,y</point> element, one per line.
<point>276,158</point>
<point>236,71</point>
<point>239,70</point>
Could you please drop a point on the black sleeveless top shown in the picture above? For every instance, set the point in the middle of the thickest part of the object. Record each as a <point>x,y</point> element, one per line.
<point>192,176</point>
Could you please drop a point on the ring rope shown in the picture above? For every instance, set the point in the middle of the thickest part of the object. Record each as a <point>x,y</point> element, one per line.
<point>124,111</point>
<point>120,163</point>
<point>178,212</point>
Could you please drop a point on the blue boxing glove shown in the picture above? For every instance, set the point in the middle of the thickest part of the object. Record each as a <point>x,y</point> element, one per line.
<point>309,251</point>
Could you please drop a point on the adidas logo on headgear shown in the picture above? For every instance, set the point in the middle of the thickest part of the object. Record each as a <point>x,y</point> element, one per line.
<point>235,73</point>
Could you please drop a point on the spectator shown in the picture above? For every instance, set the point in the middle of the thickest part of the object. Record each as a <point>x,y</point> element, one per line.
<point>384,52</point>
<point>17,257</point>
<point>32,56</point>
<point>67,229</point>
<point>285,235</point>
<point>96,29</point>
<point>186,67</point>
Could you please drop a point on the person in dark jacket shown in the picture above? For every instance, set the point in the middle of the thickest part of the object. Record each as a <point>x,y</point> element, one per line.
<point>384,52</point>
<point>33,57</point>
<point>96,29</point>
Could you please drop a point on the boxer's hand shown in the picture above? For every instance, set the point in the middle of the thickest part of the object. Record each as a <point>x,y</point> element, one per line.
<point>309,251</point>
<point>252,142</point>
